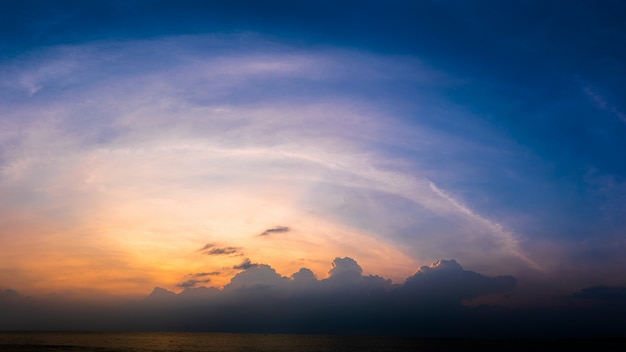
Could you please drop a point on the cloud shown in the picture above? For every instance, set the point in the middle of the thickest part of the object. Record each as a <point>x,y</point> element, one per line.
<point>447,281</point>
<point>255,277</point>
<point>222,251</point>
<point>206,247</point>
<point>602,295</point>
<point>8,294</point>
<point>345,269</point>
<point>602,103</point>
<point>259,299</point>
<point>304,275</point>
<point>245,265</point>
<point>159,295</point>
<point>304,279</point>
<point>211,249</point>
<point>276,229</point>
<point>444,280</point>
<point>212,273</point>
<point>192,283</point>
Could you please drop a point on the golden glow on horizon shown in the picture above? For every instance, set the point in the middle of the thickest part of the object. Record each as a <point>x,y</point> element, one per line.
<point>129,221</point>
<point>128,239</point>
<point>133,262</point>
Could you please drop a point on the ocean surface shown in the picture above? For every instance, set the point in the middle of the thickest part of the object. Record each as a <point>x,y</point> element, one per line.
<point>223,342</point>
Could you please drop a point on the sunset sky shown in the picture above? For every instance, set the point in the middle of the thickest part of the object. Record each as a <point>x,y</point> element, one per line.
<point>162,143</point>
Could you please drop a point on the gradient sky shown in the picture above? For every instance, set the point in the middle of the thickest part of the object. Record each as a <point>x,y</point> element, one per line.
<point>144,142</point>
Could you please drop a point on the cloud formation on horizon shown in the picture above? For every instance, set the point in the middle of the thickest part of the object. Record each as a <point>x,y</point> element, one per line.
<point>432,302</point>
<point>259,295</point>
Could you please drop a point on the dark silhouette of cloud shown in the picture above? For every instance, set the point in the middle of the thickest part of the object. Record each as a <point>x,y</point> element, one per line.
<point>8,293</point>
<point>602,295</point>
<point>276,229</point>
<point>211,249</point>
<point>192,283</point>
<point>206,246</point>
<point>345,269</point>
<point>304,278</point>
<point>245,264</point>
<point>258,299</point>
<point>212,273</point>
<point>256,277</point>
<point>159,295</point>
<point>222,251</point>
<point>198,294</point>
<point>446,280</point>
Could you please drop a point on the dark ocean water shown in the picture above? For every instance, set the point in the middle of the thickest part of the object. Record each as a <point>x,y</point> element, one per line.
<point>218,342</point>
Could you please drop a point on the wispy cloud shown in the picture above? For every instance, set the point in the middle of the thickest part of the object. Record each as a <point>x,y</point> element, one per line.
<point>211,249</point>
<point>212,273</point>
<point>192,283</point>
<point>276,229</point>
<point>602,103</point>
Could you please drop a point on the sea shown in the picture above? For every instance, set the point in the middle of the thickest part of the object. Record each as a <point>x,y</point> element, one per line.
<point>228,342</point>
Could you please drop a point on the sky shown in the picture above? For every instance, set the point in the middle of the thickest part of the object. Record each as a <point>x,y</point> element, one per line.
<point>194,144</point>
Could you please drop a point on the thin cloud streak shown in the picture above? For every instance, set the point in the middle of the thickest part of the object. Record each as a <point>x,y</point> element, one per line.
<point>276,229</point>
<point>602,103</point>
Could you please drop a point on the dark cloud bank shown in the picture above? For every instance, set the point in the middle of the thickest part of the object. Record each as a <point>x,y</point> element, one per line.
<point>430,303</point>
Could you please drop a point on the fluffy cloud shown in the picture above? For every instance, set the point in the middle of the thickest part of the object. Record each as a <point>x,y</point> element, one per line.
<point>304,278</point>
<point>346,269</point>
<point>446,280</point>
<point>256,277</point>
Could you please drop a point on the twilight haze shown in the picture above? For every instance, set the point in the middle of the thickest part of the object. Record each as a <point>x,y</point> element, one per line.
<point>475,147</point>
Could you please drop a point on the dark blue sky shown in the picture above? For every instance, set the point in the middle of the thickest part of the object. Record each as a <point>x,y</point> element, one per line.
<point>531,69</point>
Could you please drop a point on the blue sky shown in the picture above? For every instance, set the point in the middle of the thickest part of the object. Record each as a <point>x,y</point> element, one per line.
<point>134,133</point>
